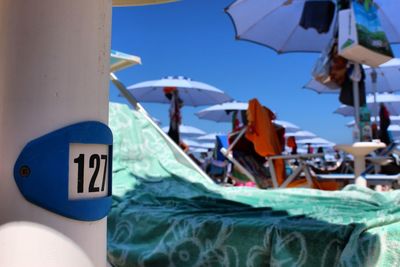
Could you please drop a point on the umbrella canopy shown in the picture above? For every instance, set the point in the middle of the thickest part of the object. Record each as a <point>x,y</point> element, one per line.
<point>275,24</point>
<point>119,60</point>
<point>211,137</point>
<point>194,144</point>
<point>139,2</point>
<point>289,127</point>
<point>387,79</point>
<point>221,112</point>
<point>393,120</point>
<point>191,92</point>
<point>316,141</point>
<point>391,101</point>
<point>300,135</point>
<point>187,131</point>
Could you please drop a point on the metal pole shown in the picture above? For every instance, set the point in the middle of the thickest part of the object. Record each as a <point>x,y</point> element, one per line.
<point>374,77</point>
<point>356,98</point>
<point>54,71</point>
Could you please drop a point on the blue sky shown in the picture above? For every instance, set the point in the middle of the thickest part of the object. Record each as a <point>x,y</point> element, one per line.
<point>195,38</point>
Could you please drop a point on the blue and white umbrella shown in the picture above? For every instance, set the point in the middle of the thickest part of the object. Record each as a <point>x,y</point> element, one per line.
<point>192,93</point>
<point>275,24</point>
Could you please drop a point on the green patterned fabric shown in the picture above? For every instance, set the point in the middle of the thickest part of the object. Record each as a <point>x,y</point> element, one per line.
<point>166,214</point>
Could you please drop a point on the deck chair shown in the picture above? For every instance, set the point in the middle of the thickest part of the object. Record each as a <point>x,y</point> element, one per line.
<point>260,132</point>
<point>217,166</point>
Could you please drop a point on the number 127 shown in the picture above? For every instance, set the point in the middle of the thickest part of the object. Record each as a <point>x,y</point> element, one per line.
<point>94,162</point>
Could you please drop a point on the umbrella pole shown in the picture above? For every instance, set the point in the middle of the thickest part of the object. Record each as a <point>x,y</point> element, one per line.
<point>356,97</point>
<point>374,86</point>
<point>53,73</point>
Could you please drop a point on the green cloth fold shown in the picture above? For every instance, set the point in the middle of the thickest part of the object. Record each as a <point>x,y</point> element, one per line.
<point>166,214</point>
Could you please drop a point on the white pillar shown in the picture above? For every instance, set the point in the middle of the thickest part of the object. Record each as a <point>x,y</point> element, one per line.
<point>54,71</point>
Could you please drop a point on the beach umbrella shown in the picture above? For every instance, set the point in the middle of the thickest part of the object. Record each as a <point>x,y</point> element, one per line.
<point>195,144</point>
<point>289,127</point>
<point>187,131</point>
<point>211,137</point>
<point>382,79</point>
<point>393,120</point>
<point>391,101</point>
<point>387,79</point>
<point>277,24</point>
<point>139,2</point>
<point>316,141</point>
<point>221,112</point>
<point>300,135</point>
<point>119,60</point>
<point>177,91</point>
<point>192,93</point>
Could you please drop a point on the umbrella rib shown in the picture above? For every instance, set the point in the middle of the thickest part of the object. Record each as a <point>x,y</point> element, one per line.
<point>264,16</point>
<point>390,22</point>
<point>288,39</point>
<point>191,98</point>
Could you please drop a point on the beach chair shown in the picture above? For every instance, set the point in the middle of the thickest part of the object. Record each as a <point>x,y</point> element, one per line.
<point>255,151</point>
<point>217,167</point>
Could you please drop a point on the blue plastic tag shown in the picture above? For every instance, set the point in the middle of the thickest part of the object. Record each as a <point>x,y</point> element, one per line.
<point>69,171</point>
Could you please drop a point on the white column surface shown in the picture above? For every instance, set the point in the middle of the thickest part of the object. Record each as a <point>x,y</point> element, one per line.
<point>54,71</point>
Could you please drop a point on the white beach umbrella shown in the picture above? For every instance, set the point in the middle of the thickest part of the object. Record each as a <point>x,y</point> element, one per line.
<point>391,101</point>
<point>289,127</point>
<point>300,135</point>
<point>211,137</point>
<point>192,93</point>
<point>393,120</point>
<point>316,141</point>
<point>187,131</point>
<point>221,112</point>
<point>275,24</point>
<point>387,79</point>
<point>195,144</point>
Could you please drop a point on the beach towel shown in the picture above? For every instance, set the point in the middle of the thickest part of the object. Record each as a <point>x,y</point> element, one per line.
<point>261,132</point>
<point>166,214</point>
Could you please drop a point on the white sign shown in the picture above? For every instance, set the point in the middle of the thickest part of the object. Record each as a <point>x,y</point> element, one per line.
<point>88,171</point>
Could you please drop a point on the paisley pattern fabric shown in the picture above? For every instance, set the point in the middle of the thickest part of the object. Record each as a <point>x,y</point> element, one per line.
<point>166,214</point>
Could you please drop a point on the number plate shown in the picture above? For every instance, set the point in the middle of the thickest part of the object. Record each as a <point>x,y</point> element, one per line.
<point>88,171</point>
